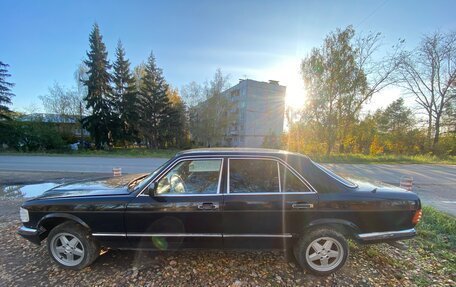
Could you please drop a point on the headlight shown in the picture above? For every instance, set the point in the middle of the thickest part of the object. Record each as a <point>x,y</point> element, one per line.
<point>24,215</point>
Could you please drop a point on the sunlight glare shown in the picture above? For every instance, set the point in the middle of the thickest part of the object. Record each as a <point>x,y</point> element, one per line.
<point>288,74</point>
<point>296,94</point>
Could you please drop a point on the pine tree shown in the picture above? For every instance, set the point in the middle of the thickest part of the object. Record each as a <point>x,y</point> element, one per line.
<point>155,104</point>
<point>175,121</point>
<point>125,97</point>
<point>99,92</point>
<point>5,91</point>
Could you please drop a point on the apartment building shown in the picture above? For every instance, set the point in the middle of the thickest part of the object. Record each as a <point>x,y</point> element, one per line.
<point>251,111</point>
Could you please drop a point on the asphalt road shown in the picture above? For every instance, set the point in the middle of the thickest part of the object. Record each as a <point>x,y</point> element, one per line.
<point>436,184</point>
<point>78,164</point>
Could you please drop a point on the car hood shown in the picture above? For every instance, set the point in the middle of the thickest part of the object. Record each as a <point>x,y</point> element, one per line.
<point>97,187</point>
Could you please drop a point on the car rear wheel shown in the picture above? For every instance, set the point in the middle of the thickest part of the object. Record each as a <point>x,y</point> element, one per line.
<point>71,246</point>
<point>322,251</point>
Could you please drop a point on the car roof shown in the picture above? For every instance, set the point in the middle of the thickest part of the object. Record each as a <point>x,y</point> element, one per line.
<point>321,180</point>
<point>238,151</point>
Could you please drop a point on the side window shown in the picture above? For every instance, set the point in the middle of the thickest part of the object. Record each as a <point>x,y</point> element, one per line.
<point>290,182</point>
<point>191,177</point>
<point>253,175</point>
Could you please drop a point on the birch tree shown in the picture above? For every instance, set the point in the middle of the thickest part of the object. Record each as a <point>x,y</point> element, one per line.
<point>429,75</point>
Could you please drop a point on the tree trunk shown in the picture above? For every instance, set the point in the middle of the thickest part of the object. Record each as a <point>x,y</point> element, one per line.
<point>328,149</point>
<point>429,130</point>
<point>330,141</point>
<point>437,132</point>
<point>330,129</point>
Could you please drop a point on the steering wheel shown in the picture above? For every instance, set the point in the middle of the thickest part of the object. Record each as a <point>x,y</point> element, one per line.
<point>177,184</point>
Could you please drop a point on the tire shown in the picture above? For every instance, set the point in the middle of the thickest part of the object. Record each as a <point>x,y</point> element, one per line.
<point>71,246</point>
<point>322,251</point>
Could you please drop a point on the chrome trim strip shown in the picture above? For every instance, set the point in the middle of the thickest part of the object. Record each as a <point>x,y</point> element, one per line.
<point>188,194</point>
<point>220,176</point>
<point>278,175</point>
<point>227,190</point>
<point>27,231</point>
<point>387,234</point>
<point>286,235</point>
<point>175,234</point>
<point>134,234</point>
<point>266,193</point>
<point>110,234</point>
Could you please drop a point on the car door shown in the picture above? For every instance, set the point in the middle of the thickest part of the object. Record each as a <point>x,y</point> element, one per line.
<point>180,209</point>
<point>265,204</point>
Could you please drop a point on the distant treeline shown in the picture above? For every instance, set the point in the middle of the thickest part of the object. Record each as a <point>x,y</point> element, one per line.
<point>347,71</point>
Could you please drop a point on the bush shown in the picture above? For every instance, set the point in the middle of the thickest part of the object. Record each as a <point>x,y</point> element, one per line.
<point>446,145</point>
<point>30,136</point>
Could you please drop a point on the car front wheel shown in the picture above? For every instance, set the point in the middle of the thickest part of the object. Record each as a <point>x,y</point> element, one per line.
<point>322,251</point>
<point>71,246</point>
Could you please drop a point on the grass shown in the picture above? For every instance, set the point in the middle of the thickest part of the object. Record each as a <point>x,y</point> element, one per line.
<point>334,158</point>
<point>436,240</point>
<point>430,257</point>
<point>437,233</point>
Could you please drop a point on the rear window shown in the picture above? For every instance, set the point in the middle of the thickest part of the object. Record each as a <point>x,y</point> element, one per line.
<point>290,182</point>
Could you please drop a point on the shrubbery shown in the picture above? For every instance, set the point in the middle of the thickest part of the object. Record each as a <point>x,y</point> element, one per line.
<point>30,136</point>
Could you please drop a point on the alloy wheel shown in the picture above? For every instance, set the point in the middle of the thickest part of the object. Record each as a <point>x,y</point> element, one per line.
<point>324,254</point>
<point>67,249</point>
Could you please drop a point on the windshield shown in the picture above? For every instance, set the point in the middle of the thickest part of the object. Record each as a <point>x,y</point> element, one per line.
<point>342,180</point>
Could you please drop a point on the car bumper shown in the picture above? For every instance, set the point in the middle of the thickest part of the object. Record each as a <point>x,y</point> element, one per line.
<point>386,236</point>
<point>32,235</point>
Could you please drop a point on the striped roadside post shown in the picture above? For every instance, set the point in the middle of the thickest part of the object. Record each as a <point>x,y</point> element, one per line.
<point>117,171</point>
<point>406,183</point>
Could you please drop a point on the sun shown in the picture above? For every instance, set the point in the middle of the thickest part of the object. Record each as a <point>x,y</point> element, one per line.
<point>287,73</point>
<point>296,94</point>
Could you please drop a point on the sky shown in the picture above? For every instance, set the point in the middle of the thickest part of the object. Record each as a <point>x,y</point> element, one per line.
<point>45,41</point>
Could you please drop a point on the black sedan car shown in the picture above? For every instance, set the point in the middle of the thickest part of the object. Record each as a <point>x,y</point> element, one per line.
<point>221,198</point>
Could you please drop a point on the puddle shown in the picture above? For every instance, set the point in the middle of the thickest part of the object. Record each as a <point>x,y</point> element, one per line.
<point>25,191</point>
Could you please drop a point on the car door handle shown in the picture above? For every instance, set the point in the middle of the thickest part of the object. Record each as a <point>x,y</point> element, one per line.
<point>208,206</point>
<point>302,205</point>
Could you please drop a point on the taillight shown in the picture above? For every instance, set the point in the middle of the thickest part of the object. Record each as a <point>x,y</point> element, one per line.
<point>417,217</point>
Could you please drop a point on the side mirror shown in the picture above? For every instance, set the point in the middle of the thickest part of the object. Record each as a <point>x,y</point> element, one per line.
<point>151,189</point>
